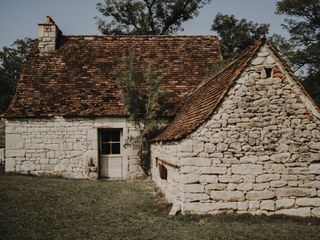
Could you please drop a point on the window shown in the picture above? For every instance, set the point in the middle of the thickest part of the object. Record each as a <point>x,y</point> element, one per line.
<point>268,72</point>
<point>163,173</point>
<point>110,142</point>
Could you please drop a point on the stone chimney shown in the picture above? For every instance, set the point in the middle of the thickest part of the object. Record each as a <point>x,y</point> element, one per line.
<point>48,36</point>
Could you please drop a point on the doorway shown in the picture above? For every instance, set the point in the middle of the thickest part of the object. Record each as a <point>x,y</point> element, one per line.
<point>110,153</point>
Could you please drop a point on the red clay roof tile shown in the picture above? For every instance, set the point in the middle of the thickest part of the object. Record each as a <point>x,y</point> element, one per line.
<point>78,78</point>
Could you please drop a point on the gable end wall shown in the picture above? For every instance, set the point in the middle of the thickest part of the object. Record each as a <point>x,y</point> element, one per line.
<point>258,153</point>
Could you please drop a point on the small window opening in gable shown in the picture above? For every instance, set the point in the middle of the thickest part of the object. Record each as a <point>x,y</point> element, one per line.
<point>163,172</point>
<point>268,72</point>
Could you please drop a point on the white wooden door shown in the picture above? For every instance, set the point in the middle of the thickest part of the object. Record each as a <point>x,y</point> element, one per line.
<point>111,162</point>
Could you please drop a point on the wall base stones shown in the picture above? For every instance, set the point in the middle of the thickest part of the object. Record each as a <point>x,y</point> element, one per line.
<point>259,152</point>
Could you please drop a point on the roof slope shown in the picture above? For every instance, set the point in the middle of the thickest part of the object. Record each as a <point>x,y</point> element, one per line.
<point>78,78</point>
<point>199,105</point>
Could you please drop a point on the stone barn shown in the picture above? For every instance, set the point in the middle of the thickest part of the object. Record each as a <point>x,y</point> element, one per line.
<point>246,140</point>
<point>68,117</point>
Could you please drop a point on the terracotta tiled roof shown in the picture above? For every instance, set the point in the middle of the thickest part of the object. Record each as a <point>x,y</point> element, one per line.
<point>201,103</point>
<point>78,78</point>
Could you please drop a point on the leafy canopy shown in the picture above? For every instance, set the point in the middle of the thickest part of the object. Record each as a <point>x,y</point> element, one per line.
<point>303,24</point>
<point>236,35</point>
<point>11,62</point>
<point>146,17</point>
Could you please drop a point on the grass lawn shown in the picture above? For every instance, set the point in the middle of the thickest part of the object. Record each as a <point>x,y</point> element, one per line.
<point>49,208</point>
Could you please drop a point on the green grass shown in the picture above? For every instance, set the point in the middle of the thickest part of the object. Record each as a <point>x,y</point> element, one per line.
<point>50,208</point>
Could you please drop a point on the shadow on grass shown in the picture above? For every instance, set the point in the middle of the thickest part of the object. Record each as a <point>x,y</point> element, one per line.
<point>249,219</point>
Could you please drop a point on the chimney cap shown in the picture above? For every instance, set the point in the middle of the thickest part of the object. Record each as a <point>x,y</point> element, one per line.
<point>48,21</point>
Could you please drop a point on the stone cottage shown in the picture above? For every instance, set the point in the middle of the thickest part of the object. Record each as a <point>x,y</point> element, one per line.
<point>246,140</point>
<point>68,117</point>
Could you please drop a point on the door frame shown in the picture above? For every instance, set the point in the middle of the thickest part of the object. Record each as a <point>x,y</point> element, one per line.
<point>100,130</point>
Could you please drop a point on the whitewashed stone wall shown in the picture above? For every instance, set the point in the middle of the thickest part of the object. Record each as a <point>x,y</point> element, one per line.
<point>63,147</point>
<point>259,152</point>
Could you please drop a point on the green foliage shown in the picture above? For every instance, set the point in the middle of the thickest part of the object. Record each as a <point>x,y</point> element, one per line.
<point>303,24</point>
<point>236,35</point>
<point>146,17</point>
<point>285,46</point>
<point>142,96</point>
<point>11,62</point>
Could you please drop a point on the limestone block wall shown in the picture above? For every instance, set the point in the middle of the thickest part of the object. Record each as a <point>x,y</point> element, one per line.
<point>168,156</point>
<point>258,153</point>
<point>63,147</point>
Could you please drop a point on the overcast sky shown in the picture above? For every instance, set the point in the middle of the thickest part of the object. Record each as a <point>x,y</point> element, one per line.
<point>19,18</point>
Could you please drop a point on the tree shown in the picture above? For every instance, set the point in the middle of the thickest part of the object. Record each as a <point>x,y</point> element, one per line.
<point>303,25</point>
<point>146,17</point>
<point>142,95</point>
<point>11,62</point>
<point>285,46</point>
<point>236,35</point>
